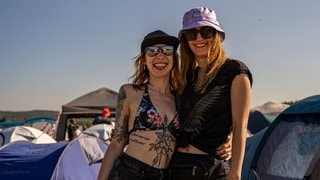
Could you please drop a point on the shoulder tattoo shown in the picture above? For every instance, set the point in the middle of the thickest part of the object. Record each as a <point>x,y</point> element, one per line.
<point>121,97</point>
<point>121,129</point>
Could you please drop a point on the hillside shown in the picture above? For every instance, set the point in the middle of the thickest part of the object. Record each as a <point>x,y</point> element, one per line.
<point>25,115</point>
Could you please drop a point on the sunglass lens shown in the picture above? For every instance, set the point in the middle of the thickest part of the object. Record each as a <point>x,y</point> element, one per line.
<point>191,34</point>
<point>167,50</point>
<point>152,51</point>
<point>206,32</point>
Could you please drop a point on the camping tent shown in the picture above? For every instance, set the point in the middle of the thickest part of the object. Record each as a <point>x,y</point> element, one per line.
<point>271,109</point>
<point>251,147</point>
<point>102,131</point>
<point>46,125</point>
<point>289,144</point>
<point>313,172</point>
<point>257,121</point>
<point>24,133</point>
<point>88,105</point>
<point>78,159</point>
<point>26,160</point>
<point>6,124</point>
<point>81,159</point>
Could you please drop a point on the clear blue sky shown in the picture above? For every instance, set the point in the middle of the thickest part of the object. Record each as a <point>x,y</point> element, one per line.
<point>53,51</point>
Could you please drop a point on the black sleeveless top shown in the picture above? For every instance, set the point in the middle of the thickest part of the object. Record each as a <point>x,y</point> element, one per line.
<point>206,119</point>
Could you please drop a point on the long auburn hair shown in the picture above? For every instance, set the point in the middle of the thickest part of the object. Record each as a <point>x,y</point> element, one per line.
<point>141,73</point>
<point>216,58</point>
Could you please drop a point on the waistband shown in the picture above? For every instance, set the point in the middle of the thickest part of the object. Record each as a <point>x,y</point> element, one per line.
<point>141,167</point>
<point>185,155</point>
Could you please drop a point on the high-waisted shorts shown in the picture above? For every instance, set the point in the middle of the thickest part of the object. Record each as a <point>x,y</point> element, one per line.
<point>187,166</point>
<point>129,168</point>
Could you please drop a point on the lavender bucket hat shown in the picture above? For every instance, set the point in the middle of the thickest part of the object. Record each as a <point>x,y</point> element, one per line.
<point>201,16</point>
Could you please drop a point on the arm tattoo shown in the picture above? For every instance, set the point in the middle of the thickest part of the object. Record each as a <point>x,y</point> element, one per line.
<point>121,97</point>
<point>121,131</point>
<point>121,128</point>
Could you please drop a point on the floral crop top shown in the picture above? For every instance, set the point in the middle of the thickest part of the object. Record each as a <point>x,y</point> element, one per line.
<point>147,117</point>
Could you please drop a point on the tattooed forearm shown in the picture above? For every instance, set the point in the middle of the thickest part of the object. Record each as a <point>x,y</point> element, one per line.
<point>121,125</point>
<point>121,131</point>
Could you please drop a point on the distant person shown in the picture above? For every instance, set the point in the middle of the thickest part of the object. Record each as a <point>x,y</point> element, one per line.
<point>106,112</point>
<point>73,129</point>
<point>52,130</point>
<point>104,118</point>
<point>101,120</point>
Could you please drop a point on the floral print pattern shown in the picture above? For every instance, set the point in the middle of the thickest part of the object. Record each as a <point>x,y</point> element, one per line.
<point>147,116</point>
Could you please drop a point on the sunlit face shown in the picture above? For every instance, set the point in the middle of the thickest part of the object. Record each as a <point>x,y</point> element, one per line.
<point>159,59</point>
<point>200,45</point>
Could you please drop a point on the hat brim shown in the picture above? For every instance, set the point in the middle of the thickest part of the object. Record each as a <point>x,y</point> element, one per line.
<point>169,40</point>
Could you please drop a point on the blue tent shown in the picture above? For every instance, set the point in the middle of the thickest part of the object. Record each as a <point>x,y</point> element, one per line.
<point>26,160</point>
<point>251,147</point>
<point>43,124</point>
<point>10,124</point>
<point>313,171</point>
<point>40,119</point>
<point>81,159</point>
<point>257,122</point>
<point>289,144</point>
<point>78,159</point>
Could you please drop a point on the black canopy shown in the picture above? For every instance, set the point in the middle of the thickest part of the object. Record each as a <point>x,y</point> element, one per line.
<point>88,105</point>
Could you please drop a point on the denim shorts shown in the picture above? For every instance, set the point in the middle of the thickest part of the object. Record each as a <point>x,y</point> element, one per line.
<point>188,166</point>
<point>129,168</point>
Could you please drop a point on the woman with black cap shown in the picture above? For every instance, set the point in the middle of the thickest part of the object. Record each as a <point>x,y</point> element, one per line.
<point>143,139</point>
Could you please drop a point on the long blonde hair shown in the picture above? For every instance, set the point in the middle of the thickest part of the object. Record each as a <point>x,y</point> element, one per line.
<point>216,58</point>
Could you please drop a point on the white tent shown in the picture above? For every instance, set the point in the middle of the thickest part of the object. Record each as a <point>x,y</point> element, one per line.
<point>271,108</point>
<point>101,131</point>
<point>24,133</point>
<point>46,125</point>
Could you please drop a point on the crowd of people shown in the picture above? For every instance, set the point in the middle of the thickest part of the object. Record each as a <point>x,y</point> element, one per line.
<point>185,113</point>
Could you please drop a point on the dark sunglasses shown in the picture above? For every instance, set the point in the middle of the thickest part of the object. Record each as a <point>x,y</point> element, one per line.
<point>205,32</point>
<point>152,51</point>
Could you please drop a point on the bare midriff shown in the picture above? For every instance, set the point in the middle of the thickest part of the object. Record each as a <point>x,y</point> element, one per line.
<point>190,149</point>
<point>153,147</point>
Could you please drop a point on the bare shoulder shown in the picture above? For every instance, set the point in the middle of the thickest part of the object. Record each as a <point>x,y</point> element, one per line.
<point>242,78</point>
<point>129,92</point>
<point>125,87</point>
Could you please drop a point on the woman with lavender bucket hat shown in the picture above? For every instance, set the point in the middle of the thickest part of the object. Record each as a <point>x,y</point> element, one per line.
<point>214,101</point>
